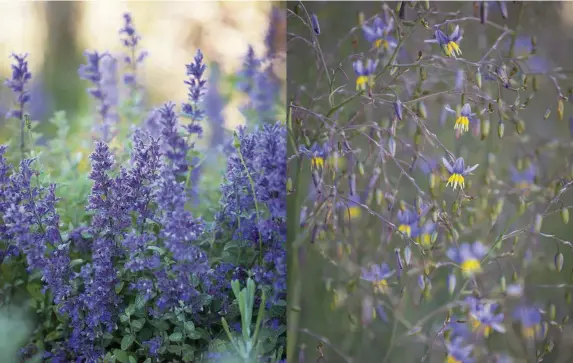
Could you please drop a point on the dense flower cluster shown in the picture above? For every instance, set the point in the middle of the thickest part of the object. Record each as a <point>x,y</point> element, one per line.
<point>141,276</point>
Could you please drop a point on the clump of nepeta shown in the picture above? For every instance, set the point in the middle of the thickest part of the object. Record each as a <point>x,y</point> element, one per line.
<point>120,262</point>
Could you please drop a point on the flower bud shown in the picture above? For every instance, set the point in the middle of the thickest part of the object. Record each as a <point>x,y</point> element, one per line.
<point>289,185</point>
<point>360,167</point>
<point>520,126</point>
<point>502,283</point>
<point>558,261</point>
<point>451,284</point>
<point>421,282</point>
<point>500,129</point>
<point>407,255</point>
<point>379,196</point>
<point>478,78</point>
<point>568,297</point>
<point>422,111</point>
<point>392,146</point>
<point>560,108</point>
<point>565,215</point>
<point>484,127</point>
<point>361,18</point>
<point>534,83</point>
<point>315,24</point>
<point>398,109</point>
<point>547,113</point>
<point>552,311</point>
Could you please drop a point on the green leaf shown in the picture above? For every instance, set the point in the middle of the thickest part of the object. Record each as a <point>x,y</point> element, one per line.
<point>121,356</point>
<point>119,287</point>
<point>132,360</point>
<point>53,335</point>
<point>148,360</point>
<point>188,353</point>
<point>195,334</point>
<point>176,337</point>
<point>175,349</point>
<point>35,291</point>
<point>130,310</point>
<point>140,302</point>
<point>157,249</point>
<point>189,326</point>
<point>136,325</point>
<point>127,341</point>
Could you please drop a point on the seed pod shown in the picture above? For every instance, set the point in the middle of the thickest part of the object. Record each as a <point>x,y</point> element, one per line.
<point>520,126</point>
<point>484,127</point>
<point>478,78</point>
<point>565,215</point>
<point>407,255</point>
<point>547,113</point>
<point>500,129</point>
<point>560,107</point>
<point>314,23</point>
<point>538,223</point>
<point>451,284</point>
<point>558,261</point>
<point>426,4</point>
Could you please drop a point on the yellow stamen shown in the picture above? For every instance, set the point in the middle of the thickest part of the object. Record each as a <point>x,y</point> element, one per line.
<point>317,162</point>
<point>381,286</point>
<point>530,331</point>
<point>353,212</point>
<point>455,180</point>
<point>523,185</point>
<point>426,240</point>
<point>471,266</point>
<point>406,229</point>
<point>450,359</point>
<point>381,43</point>
<point>361,82</point>
<point>476,324</point>
<point>462,123</point>
<point>453,49</point>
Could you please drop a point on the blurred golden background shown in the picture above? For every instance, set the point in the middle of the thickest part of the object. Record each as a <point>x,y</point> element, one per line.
<point>55,34</point>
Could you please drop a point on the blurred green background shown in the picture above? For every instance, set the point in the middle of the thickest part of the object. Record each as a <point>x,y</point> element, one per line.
<point>320,269</point>
<point>55,35</point>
